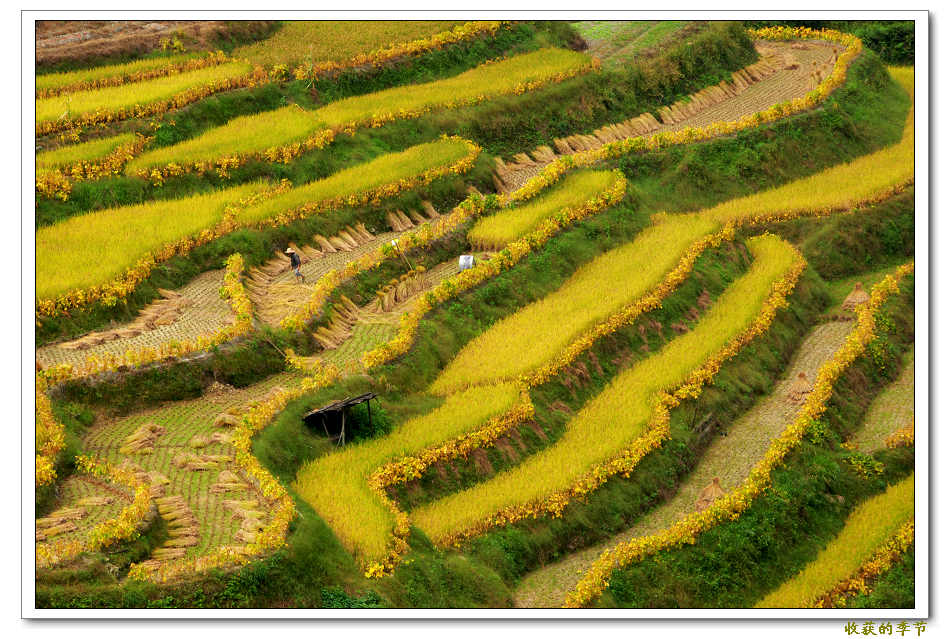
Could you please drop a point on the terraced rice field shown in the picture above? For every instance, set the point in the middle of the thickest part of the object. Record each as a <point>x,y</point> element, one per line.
<point>890,410</point>
<point>64,80</point>
<point>336,40</point>
<point>213,500</point>
<point>255,134</point>
<point>595,436</point>
<point>84,501</point>
<point>194,455</point>
<point>68,155</point>
<point>620,42</point>
<point>730,457</point>
<point>870,525</point>
<point>80,103</point>
<point>793,79</point>
<point>95,248</point>
<point>201,312</point>
<point>376,327</point>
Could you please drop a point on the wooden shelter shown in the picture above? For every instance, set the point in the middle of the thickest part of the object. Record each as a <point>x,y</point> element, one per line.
<point>332,417</point>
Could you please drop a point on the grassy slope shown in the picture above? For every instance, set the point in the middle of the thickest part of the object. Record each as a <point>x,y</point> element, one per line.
<point>315,560</point>
<point>502,126</point>
<point>745,559</point>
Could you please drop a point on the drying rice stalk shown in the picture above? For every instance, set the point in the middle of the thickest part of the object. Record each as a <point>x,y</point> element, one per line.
<point>228,481</point>
<point>142,441</point>
<point>507,174</point>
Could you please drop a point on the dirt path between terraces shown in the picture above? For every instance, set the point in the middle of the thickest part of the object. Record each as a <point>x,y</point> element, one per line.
<point>728,457</point>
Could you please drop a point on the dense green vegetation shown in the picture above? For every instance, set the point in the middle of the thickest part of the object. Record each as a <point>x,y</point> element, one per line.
<point>737,562</point>
<point>732,565</point>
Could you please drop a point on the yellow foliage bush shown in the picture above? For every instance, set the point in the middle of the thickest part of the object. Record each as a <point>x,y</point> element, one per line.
<point>282,135</point>
<point>149,97</point>
<point>630,417</point>
<point>346,488</point>
<point>50,436</point>
<point>872,524</point>
<point>596,579</point>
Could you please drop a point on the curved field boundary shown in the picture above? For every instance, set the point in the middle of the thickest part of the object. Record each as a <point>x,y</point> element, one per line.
<point>125,526</point>
<point>285,133</point>
<point>347,488</point>
<point>259,538</point>
<point>868,179</point>
<point>501,261</point>
<point>735,502</point>
<point>50,437</point>
<point>57,170</point>
<point>274,288</point>
<point>488,358</point>
<point>749,89</point>
<point>595,445</point>
<point>890,418</point>
<point>879,521</point>
<point>407,463</point>
<point>730,458</point>
<point>199,453</point>
<point>134,351</point>
<point>495,231</point>
<point>883,558</point>
<point>353,331</point>
<point>50,85</point>
<point>375,58</point>
<point>474,206</point>
<point>147,98</point>
<point>599,148</point>
<point>185,314</point>
<point>73,252</point>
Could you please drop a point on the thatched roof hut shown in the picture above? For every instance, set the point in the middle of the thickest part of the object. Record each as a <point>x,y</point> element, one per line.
<point>800,389</point>
<point>855,297</point>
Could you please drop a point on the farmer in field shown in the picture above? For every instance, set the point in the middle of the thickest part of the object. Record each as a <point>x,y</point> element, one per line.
<point>295,264</point>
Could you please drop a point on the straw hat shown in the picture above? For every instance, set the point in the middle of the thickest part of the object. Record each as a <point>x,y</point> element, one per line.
<point>289,250</point>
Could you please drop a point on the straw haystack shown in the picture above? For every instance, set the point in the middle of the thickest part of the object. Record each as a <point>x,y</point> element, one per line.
<point>711,493</point>
<point>855,297</point>
<point>800,389</point>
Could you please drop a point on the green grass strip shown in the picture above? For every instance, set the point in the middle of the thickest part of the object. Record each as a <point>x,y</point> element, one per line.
<point>337,485</point>
<point>89,151</point>
<point>533,336</point>
<point>98,247</point>
<point>613,420</point>
<point>49,81</point>
<point>510,224</point>
<point>386,169</point>
<point>255,134</point>
<point>125,96</point>
<point>870,525</point>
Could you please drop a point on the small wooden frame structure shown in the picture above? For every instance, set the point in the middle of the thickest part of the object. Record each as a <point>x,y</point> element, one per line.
<point>338,408</point>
